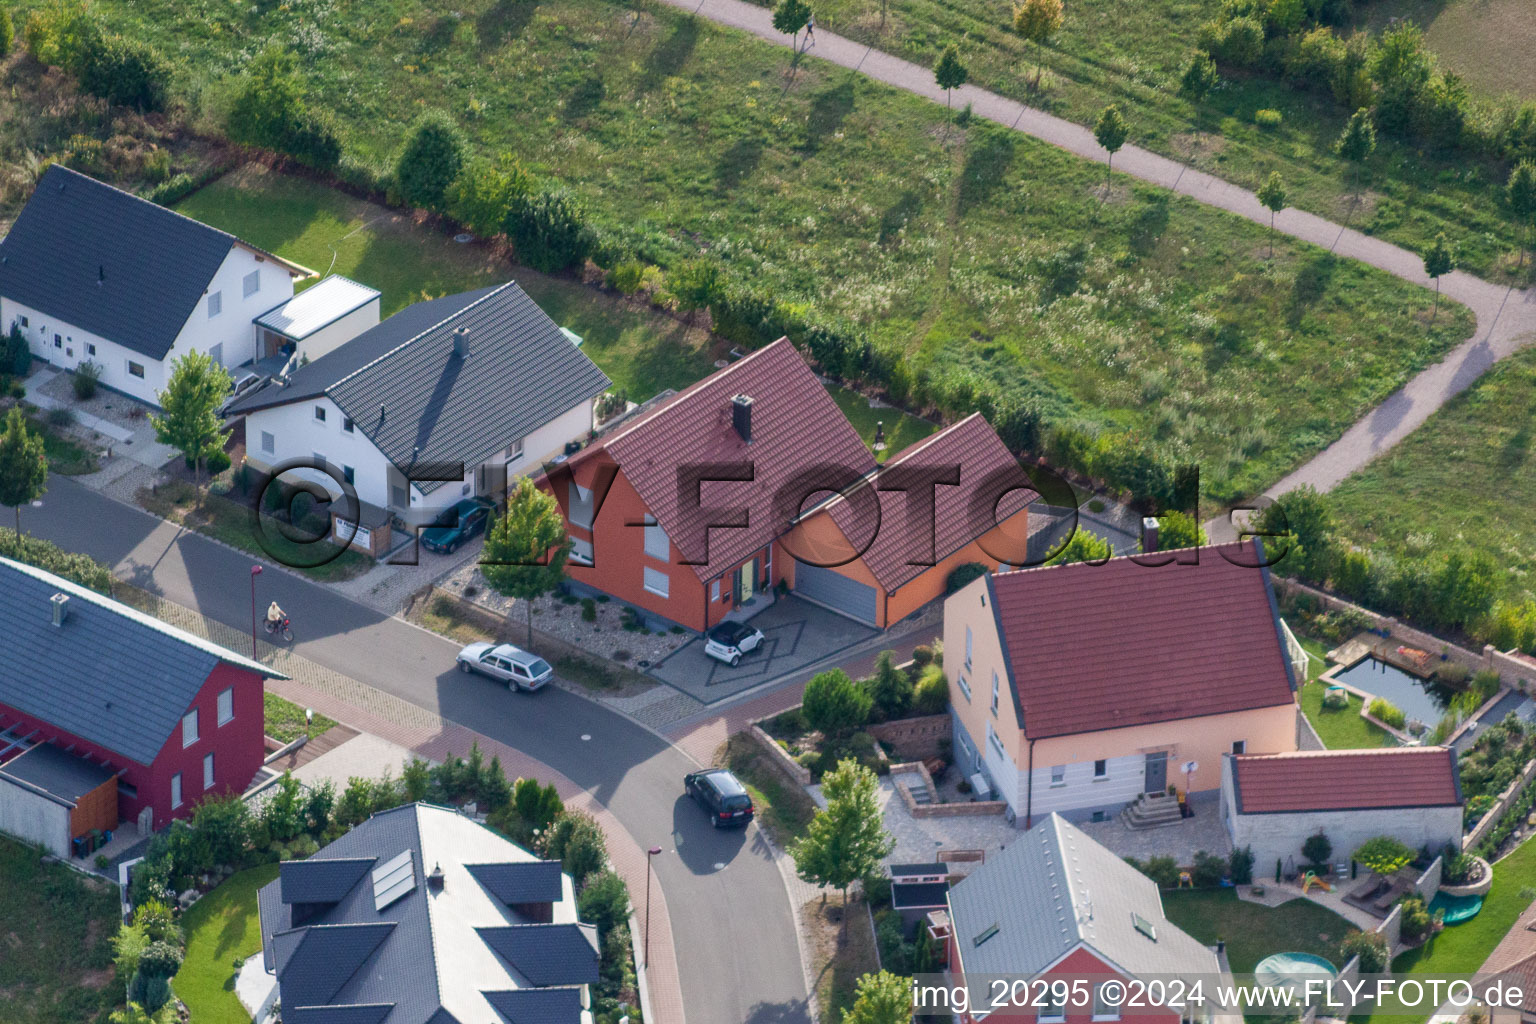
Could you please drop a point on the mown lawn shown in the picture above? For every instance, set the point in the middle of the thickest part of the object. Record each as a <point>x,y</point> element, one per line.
<point>783,809</point>
<point>1468,476</point>
<point>1253,931</point>
<point>220,928</point>
<point>970,254</point>
<point>1340,728</point>
<point>56,933</point>
<point>901,429</point>
<point>1110,53</point>
<point>285,720</point>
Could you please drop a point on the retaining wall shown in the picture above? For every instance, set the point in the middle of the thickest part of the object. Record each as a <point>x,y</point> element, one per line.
<point>1500,807</point>
<point>913,739</point>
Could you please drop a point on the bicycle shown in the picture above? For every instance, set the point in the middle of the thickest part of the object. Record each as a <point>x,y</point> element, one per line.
<point>283,629</point>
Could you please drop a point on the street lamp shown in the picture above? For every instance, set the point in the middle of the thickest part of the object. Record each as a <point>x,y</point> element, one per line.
<point>646,955</point>
<point>255,571</point>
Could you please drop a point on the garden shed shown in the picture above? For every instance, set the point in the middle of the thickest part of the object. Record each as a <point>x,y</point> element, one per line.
<point>53,797</point>
<point>1274,802</point>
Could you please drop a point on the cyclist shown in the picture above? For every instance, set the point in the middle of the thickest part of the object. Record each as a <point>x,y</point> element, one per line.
<point>275,616</point>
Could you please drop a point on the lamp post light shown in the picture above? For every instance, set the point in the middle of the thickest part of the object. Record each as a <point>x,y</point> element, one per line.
<point>255,571</point>
<point>646,954</point>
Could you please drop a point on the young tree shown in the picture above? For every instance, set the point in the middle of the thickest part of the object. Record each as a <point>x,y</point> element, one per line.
<point>1272,195</point>
<point>1358,141</point>
<point>790,16</point>
<point>846,841</point>
<point>883,998</point>
<point>430,161</point>
<point>1037,21</point>
<point>191,400</point>
<point>890,688</point>
<point>7,32</point>
<point>834,704</point>
<point>949,73</point>
<point>525,548</point>
<point>1200,77</point>
<point>1438,262</point>
<point>23,465</point>
<point>1303,518</point>
<point>1111,131</point>
<point>1179,530</point>
<point>1083,546</point>
<point>1521,191</point>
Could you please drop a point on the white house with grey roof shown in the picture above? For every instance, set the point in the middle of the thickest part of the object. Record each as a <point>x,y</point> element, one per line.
<point>1054,904</point>
<point>90,273</point>
<point>421,915</point>
<point>447,398</point>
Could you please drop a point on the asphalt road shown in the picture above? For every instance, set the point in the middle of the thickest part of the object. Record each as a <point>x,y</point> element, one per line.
<point>731,920</point>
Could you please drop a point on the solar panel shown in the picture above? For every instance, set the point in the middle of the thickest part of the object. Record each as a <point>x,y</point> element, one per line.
<point>393,879</point>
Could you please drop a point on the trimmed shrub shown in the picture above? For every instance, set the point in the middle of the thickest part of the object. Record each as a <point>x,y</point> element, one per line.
<point>834,703</point>
<point>550,232</point>
<point>1208,870</point>
<point>604,901</point>
<point>1268,119</point>
<point>1317,848</point>
<point>81,569</point>
<point>1384,710</point>
<point>124,72</point>
<point>931,694</point>
<point>1384,855</point>
<point>577,842</point>
<point>1370,947</point>
<point>922,655</point>
<point>484,194</point>
<point>890,689</point>
<point>1162,870</point>
<point>1240,865</point>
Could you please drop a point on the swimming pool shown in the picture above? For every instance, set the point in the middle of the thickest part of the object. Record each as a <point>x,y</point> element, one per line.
<point>1292,969</point>
<point>1417,698</point>
<point>1457,908</point>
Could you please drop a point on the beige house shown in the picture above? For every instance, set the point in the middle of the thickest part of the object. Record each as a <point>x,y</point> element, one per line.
<point>1076,688</point>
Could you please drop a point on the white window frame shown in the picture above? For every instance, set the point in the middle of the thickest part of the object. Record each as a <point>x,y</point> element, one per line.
<point>250,284</point>
<point>176,793</point>
<point>269,442</point>
<point>1100,776</point>
<point>135,369</point>
<point>649,577</point>
<point>996,743</point>
<point>189,728</point>
<point>215,304</point>
<point>319,414</point>
<point>347,426</point>
<point>714,590</point>
<point>1052,1013</point>
<point>965,687</point>
<point>1058,775</point>
<point>1101,1009</point>
<point>994,691</point>
<point>581,551</point>
<point>515,450</point>
<point>1239,746</point>
<point>226,705</point>
<point>967,646</point>
<point>657,544</point>
<point>208,775</point>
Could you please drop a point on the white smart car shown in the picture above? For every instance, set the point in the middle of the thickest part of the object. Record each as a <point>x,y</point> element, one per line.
<point>728,641</point>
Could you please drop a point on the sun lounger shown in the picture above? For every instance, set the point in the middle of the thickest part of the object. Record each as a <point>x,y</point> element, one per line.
<point>1367,890</point>
<point>1394,892</point>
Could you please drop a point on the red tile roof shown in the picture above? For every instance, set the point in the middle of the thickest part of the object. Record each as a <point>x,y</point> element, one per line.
<point>1109,646</point>
<point>796,428</point>
<point>1346,780</point>
<point>904,547</point>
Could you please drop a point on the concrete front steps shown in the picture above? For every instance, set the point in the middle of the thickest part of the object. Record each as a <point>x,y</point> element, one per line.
<point>1152,810</point>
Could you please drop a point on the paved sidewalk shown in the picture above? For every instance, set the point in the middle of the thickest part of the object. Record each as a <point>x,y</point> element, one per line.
<point>1506,318</point>
<point>414,728</point>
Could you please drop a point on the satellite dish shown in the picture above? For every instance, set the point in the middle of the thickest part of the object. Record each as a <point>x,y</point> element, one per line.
<point>1190,767</point>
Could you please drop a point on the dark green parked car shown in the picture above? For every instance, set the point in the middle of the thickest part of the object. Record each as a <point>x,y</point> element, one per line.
<point>457,524</point>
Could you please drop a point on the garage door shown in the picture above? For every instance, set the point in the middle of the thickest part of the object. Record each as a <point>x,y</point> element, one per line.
<point>852,598</point>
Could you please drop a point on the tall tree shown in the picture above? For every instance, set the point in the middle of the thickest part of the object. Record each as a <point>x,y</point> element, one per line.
<point>949,73</point>
<point>1521,191</point>
<point>191,400</point>
<point>430,161</point>
<point>790,16</point>
<point>1438,261</point>
<point>1358,141</point>
<point>1304,518</point>
<point>883,998</point>
<point>1037,21</point>
<point>23,464</point>
<point>1272,195</point>
<point>847,840</point>
<point>1111,131</point>
<point>525,548</point>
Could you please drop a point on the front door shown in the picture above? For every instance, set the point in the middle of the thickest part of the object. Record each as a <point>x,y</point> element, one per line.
<point>1157,773</point>
<point>746,582</point>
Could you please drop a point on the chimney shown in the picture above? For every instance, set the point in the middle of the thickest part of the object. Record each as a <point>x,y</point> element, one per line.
<point>741,416</point>
<point>435,879</point>
<point>461,342</point>
<point>60,603</point>
<point>1149,534</point>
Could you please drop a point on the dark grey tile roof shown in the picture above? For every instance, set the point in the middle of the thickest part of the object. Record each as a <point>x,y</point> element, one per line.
<point>66,776</point>
<point>419,403</point>
<point>363,1013</point>
<point>918,895</point>
<point>109,262</point>
<point>310,380</point>
<point>110,674</point>
<point>520,882</point>
<point>321,880</point>
<point>537,1006</point>
<point>331,957</point>
<point>547,954</point>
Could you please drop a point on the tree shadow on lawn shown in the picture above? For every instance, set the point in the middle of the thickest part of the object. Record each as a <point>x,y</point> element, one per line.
<point>737,163</point>
<point>987,161</point>
<point>668,56</point>
<point>829,109</point>
<point>503,22</point>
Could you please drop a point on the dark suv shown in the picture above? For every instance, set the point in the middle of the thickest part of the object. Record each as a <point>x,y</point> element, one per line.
<point>721,795</point>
